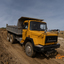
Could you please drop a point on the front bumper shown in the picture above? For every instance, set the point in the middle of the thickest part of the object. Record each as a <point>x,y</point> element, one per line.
<point>40,48</point>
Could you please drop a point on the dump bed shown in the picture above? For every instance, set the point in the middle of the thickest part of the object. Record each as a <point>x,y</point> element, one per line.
<point>14,29</point>
<point>18,29</point>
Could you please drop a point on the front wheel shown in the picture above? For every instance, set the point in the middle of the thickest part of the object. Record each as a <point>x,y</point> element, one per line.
<point>29,49</point>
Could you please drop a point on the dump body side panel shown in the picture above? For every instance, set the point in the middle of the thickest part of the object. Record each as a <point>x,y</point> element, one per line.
<point>14,29</point>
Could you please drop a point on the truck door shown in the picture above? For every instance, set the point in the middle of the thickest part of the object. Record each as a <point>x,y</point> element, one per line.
<point>24,32</point>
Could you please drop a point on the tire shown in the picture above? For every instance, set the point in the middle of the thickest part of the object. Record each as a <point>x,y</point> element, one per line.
<point>29,49</point>
<point>12,39</point>
<point>8,36</point>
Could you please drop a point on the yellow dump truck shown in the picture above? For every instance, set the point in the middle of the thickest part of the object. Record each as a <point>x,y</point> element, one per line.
<point>32,33</point>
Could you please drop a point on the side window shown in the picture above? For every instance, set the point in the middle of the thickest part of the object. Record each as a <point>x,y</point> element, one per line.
<point>25,26</point>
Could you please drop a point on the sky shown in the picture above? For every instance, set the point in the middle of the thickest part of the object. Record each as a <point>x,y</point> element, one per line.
<point>52,11</point>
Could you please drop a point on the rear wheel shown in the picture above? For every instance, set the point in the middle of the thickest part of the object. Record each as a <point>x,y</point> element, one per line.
<point>29,49</point>
<point>8,36</point>
<point>12,38</point>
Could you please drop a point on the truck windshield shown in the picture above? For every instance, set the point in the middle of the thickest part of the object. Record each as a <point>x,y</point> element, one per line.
<point>38,26</point>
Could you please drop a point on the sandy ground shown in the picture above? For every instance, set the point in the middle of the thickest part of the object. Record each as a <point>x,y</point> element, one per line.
<point>15,54</point>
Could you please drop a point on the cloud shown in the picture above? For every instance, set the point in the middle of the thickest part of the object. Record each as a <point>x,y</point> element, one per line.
<point>52,11</point>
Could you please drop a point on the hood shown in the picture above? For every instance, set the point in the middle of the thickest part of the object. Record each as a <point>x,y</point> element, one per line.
<point>51,34</point>
<point>42,33</point>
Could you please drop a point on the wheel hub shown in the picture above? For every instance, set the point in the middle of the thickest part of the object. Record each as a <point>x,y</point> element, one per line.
<point>28,49</point>
<point>10,39</point>
<point>7,38</point>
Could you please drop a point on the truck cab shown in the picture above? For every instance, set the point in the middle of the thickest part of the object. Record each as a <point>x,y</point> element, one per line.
<point>35,37</point>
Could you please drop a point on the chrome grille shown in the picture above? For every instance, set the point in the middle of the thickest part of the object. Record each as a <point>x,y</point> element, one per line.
<point>50,39</point>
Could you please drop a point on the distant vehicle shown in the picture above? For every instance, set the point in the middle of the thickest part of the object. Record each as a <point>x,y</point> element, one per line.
<point>32,33</point>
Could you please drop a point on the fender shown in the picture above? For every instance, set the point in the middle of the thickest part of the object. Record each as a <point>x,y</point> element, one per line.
<point>30,40</point>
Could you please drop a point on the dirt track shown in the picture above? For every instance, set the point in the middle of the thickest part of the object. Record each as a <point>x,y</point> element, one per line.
<point>15,54</point>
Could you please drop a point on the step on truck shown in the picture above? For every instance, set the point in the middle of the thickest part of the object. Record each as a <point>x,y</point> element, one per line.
<point>32,33</point>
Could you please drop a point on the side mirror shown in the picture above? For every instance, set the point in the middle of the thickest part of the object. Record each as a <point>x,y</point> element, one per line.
<point>58,31</point>
<point>45,31</point>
